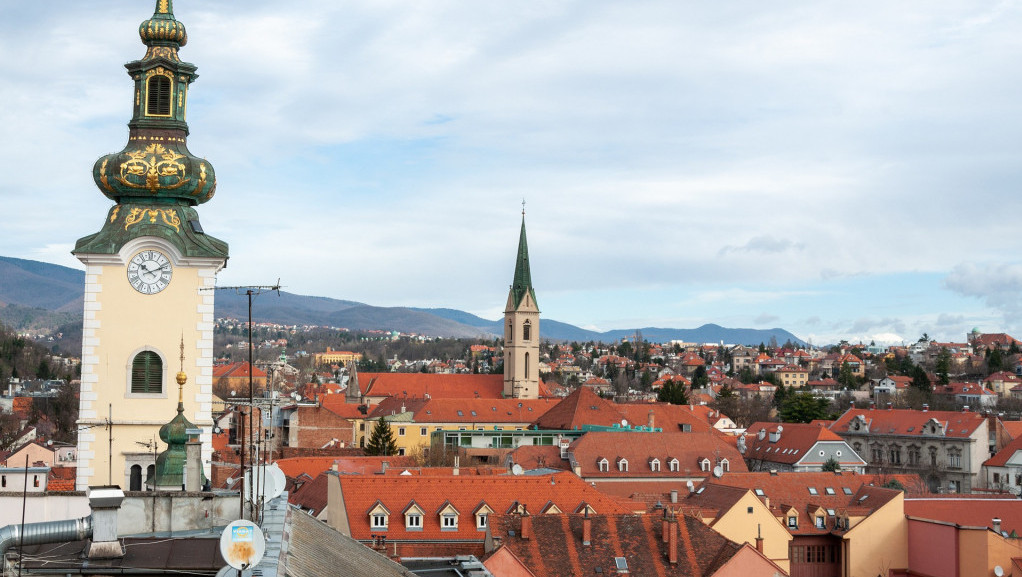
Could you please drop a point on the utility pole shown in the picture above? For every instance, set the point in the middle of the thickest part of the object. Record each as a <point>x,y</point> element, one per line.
<point>249,291</point>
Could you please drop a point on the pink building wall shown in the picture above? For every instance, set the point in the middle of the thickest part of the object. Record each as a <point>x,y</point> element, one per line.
<point>932,548</point>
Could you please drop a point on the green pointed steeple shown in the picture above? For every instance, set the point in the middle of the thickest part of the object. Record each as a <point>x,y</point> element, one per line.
<point>523,277</point>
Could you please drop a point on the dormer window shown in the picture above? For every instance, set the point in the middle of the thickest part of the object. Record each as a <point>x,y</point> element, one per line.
<point>622,465</point>
<point>820,522</point>
<point>413,517</point>
<point>725,465</point>
<point>674,465</point>
<point>704,465</point>
<point>378,517</point>
<point>482,515</point>
<point>793,521</point>
<point>654,465</point>
<point>448,517</point>
<point>604,465</point>
<point>158,95</point>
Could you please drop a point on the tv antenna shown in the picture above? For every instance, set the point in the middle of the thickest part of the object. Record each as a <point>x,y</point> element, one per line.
<point>249,291</point>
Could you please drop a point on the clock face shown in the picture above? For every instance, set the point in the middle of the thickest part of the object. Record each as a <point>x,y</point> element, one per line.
<point>149,272</point>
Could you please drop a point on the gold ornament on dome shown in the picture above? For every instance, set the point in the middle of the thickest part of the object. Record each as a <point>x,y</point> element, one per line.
<point>167,215</point>
<point>113,213</point>
<point>168,52</point>
<point>163,7</point>
<point>102,177</point>
<point>154,162</point>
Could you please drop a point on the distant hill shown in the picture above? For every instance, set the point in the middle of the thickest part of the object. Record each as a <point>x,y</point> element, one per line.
<point>41,295</point>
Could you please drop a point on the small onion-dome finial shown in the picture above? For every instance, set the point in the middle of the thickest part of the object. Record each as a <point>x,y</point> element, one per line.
<point>163,29</point>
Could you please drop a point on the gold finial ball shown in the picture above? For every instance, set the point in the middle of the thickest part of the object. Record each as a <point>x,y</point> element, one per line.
<point>182,378</point>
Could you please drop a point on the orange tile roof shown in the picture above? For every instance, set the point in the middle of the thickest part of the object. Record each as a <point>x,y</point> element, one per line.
<point>554,547</point>
<point>370,465</point>
<point>61,479</point>
<point>1014,428</point>
<point>336,404</point>
<point>436,385</point>
<point>311,466</point>
<point>667,416</point>
<point>968,512</point>
<point>806,492</point>
<point>523,411</point>
<point>796,440</point>
<point>236,370</point>
<point>640,448</point>
<point>539,456</point>
<point>1000,459</point>
<point>467,494</point>
<point>910,422</point>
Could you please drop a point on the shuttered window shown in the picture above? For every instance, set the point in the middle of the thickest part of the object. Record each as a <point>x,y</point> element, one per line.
<point>147,373</point>
<point>158,96</point>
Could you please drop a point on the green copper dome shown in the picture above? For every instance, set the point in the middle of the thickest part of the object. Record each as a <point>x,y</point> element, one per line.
<point>155,180</point>
<point>170,464</point>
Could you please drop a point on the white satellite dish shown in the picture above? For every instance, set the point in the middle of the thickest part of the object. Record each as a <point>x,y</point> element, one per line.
<point>718,471</point>
<point>780,429</point>
<point>516,469</point>
<point>691,486</point>
<point>242,544</point>
<point>298,398</point>
<point>624,422</point>
<point>999,571</point>
<point>269,482</point>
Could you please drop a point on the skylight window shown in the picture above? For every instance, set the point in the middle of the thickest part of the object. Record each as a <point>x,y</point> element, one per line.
<point>846,490</point>
<point>474,414</point>
<point>830,491</point>
<point>812,491</point>
<point>759,492</point>
<point>830,512</point>
<point>460,413</point>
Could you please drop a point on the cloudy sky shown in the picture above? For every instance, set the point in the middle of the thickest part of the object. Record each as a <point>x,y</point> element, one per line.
<point>841,170</point>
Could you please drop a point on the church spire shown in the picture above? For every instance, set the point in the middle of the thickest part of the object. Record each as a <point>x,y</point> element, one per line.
<point>522,283</point>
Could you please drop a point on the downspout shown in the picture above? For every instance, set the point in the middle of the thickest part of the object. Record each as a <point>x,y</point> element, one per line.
<point>46,532</point>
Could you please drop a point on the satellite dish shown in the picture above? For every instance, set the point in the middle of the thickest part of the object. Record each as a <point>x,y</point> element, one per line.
<point>298,398</point>
<point>718,471</point>
<point>517,469</point>
<point>624,422</point>
<point>242,544</point>
<point>780,429</point>
<point>999,571</point>
<point>691,486</point>
<point>269,484</point>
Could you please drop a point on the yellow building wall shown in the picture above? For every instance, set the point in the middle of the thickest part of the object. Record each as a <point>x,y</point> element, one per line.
<point>740,526</point>
<point>980,550</point>
<point>879,542</point>
<point>416,435</point>
<point>120,322</point>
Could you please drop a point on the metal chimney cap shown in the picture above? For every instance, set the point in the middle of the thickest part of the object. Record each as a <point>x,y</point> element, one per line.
<point>105,496</point>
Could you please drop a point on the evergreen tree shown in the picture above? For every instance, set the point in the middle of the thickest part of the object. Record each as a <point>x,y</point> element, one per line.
<point>831,465</point>
<point>699,378</point>
<point>995,361</point>
<point>803,408</point>
<point>920,380</point>
<point>943,366</point>
<point>381,441</point>
<point>673,392</point>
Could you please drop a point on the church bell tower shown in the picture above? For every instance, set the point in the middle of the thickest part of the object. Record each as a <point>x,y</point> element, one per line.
<point>521,330</point>
<point>149,274</point>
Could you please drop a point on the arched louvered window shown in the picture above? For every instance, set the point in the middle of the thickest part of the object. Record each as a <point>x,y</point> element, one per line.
<point>527,331</point>
<point>158,96</point>
<point>147,373</point>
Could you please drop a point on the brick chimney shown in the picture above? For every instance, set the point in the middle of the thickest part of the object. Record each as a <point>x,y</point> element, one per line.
<point>664,530</point>
<point>526,526</point>
<point>650,420</point>
<point>587,529</point>
<point>759,538</point>
<point>672,541</point>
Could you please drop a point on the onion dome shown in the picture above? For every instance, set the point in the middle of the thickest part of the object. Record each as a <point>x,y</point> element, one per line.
<point>162,29</point>
<point>157,168</point>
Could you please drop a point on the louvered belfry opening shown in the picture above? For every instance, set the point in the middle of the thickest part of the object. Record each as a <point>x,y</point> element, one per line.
<point>158,96</point>
<point>147,373</point>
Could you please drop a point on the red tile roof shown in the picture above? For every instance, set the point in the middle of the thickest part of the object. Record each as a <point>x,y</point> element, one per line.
<point>435,385</point>
<point>968,512</point>
<point>539,456</point>
<point>910,422</point>
<point>311,466</point>
<point>1014,428</point>
<point>466,494</point>
<point>61,479</point>
<point>1000,459</point>
<point>555,549</point>
<point>640,448</point>
<point>807,492</point>
<point>311,496</point>
<point>237,370</point>
<point>795,441</point>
